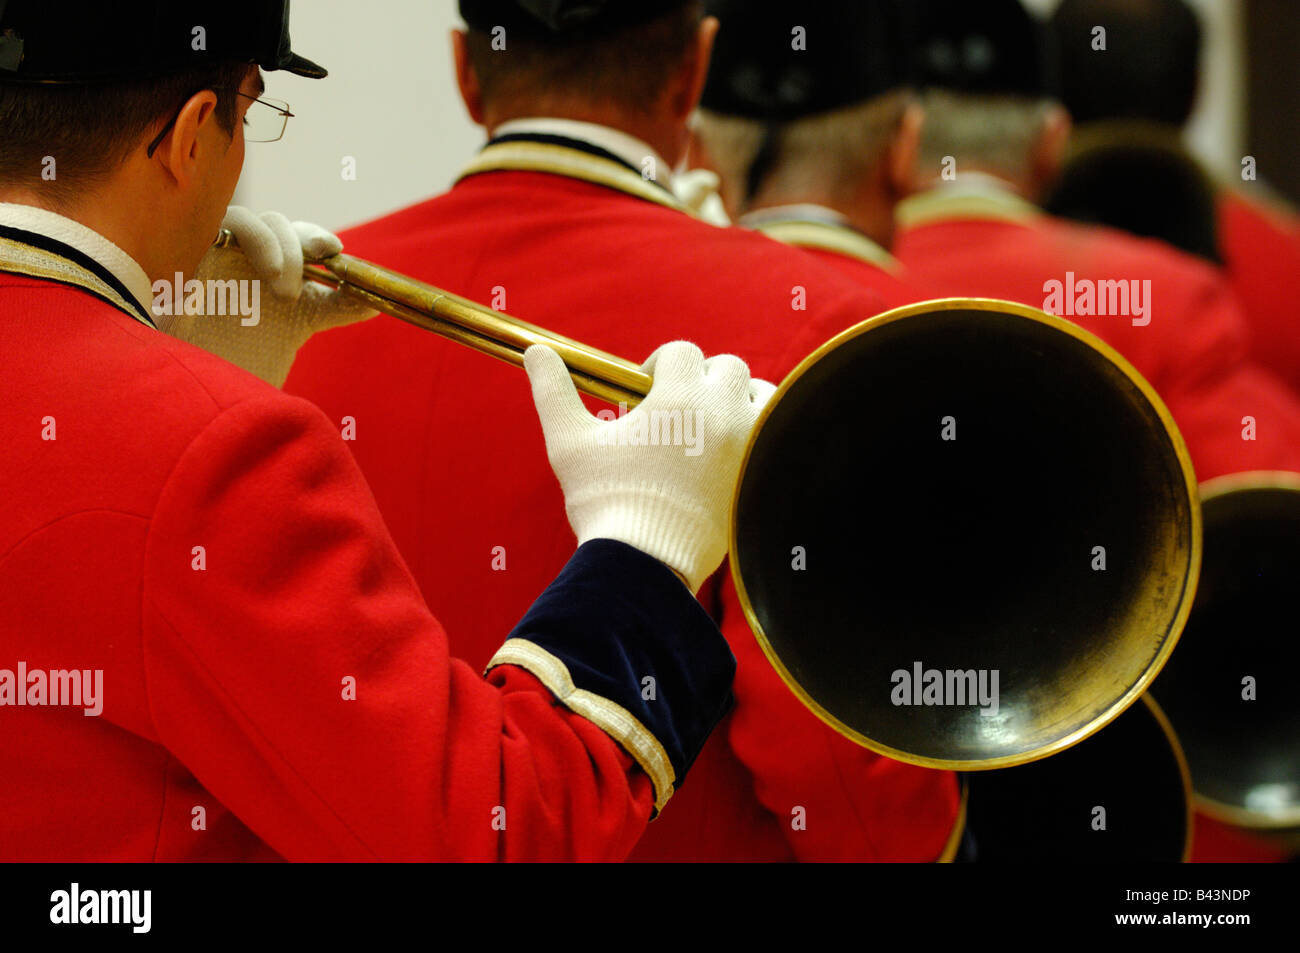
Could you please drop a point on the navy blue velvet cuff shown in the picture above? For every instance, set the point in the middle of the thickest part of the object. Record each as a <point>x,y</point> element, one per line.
<point>629,631</point>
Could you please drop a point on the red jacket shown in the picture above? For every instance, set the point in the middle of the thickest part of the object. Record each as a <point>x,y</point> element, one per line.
<point>273,685</point>
<point>1193,350</point>
<point>841,247</point>
<point>1261,257</point>
<point>449,441</point>
<point>892,290</point>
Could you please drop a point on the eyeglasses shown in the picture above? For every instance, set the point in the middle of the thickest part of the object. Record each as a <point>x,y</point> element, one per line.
<point>265,121</point>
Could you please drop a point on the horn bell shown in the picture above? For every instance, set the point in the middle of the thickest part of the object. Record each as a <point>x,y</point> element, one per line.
<point>1230,688</point>
<point>966,486</point>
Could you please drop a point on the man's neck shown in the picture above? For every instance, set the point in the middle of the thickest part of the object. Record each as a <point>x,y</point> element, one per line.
<point>667,139</point>
<point>100,216</point>
<point>79,246</point>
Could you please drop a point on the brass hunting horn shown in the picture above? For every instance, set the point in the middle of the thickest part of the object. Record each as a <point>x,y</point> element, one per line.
<point>964,485</point>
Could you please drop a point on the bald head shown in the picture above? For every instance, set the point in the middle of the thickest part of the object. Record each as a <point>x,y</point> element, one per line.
<point>1148,69</point>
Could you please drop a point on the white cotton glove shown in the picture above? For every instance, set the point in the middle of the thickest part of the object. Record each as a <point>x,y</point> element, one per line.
<point>697,189</point>
<point>622,482</point>
<point>289,310</point>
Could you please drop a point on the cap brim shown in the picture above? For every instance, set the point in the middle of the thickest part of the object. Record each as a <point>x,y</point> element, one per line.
<point>302,66</point>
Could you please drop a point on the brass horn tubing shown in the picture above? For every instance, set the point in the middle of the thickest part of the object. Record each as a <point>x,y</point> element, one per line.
<point>433,321</point>
<point>499,335</point>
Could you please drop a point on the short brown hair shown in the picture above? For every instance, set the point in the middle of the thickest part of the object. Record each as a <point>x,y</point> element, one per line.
<point>628,67</point>
<point>90,129</point>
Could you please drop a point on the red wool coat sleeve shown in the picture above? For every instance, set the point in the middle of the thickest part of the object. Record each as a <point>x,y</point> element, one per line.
<point>248,662</point>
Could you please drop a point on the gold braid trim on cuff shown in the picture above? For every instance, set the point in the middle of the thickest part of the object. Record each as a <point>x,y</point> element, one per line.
<point>611,718</point>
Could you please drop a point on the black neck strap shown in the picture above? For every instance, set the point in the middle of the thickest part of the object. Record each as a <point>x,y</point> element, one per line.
<point>81,260</point>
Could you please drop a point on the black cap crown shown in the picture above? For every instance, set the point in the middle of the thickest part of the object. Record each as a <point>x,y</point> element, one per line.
<point>559,19</point>
<point>86,41</point>
<point>776,60</point>
<point>1150,66</point>
<point>990,47</point>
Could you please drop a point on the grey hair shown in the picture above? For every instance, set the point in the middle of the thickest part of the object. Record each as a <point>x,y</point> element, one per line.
<point>821,155</point>
<point>996,134</point>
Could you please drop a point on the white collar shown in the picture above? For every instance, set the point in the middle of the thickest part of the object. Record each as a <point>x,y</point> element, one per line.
<point>627,147</point>
<point>122,266</point>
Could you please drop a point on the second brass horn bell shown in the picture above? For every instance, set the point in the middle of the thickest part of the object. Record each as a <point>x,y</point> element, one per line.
<point>1124,794</point>
<point>969,490</point>
<point>1230,689</point>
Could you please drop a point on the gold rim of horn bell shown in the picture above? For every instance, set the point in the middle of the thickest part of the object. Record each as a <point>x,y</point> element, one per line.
<point>1184,770</point>
<point>1133,692</point>
<point>1231,814</point>
<point>1184,775</point>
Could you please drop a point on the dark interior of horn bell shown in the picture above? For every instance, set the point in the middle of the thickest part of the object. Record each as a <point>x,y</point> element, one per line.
<point>1244,752</point>
<point>969,554</point>
<point>1049,810</point>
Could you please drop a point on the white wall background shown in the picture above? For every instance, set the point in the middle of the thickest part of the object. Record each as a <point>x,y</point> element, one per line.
<point>390,103</point>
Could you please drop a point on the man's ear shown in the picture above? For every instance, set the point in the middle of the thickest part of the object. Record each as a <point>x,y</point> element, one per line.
<point>466,79</point>
<point>1049,150</point>
<point>695,70</point>
<point>179,150</point>
<point>905,150</point>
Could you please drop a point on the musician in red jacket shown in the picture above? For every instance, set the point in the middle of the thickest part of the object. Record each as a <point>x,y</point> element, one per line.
<point>210,648</point>
<point>992,140</point>
<point>813,134</point>
<point>567,219</point>
<point>1129,166</point>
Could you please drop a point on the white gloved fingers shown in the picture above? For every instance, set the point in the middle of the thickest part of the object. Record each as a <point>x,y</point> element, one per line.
<point>728,373</point>
<point>659,478</point>
<point>317,243</point>
<point>271,246</point>
<point>257,241</point>
<point>563,416</point>
<point>325,308</point>
<point>675,362</point>
<point>264,333</point>
<point>226,263</point>
<point>760,392</point>
<point>287,282</point>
